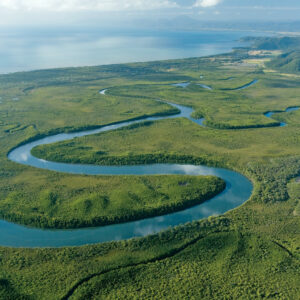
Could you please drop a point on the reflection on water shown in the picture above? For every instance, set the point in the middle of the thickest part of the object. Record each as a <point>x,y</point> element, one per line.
<point>102,92</point>
<point>24,157</point>
<point>238,190</point>
<point>181,84</point>
<point>247,85</point>
<point>23,50</point>
<point>205,86</point>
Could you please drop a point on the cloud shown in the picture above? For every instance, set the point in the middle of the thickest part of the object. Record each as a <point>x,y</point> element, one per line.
<point>81,5</point>
<point>206,3</point>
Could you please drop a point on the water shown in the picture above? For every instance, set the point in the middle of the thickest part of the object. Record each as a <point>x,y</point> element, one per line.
<point>23,50</point>
<point>269,114</point>
<point>292,109</point>
<point>29,49</point>
<point>181,84</point>
<point>205,86</point>
<point>102,92</point>
<point>186,84</point>
<point>238,190</point>
<point>247,85</point>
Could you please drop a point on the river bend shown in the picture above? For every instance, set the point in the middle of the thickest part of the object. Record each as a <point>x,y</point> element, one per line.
<point>238,190</point>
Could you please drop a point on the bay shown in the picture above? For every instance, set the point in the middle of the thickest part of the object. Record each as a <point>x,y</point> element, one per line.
<point>31,49</point>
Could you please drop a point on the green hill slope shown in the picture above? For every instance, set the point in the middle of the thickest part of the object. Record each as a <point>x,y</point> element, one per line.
<point>287,62</point>
<point>274,43</point>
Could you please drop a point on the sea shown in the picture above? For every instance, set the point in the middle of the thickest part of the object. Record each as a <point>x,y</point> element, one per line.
<point>31,49</point>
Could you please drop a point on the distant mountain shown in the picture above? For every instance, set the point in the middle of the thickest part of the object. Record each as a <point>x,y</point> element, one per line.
<point>287,62</point>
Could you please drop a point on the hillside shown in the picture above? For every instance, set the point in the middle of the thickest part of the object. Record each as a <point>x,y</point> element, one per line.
<point>286,43</point>
<point>287,62</point>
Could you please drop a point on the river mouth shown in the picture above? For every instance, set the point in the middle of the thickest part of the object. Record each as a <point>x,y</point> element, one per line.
<point>238,190</point>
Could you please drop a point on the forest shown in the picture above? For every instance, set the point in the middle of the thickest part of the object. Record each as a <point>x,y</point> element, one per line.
<point>250,252</point>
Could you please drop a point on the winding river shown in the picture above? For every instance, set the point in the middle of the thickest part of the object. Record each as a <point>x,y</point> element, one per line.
<point>186,84</point>
<point>269,114</point>
<point>246,85</point>
<point>238,190</point>
<point>205,86</point>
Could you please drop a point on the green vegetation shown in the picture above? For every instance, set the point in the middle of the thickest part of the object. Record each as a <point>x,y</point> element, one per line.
<point>284,43</point>
<point>252,252</point>
<point>287,62</point>
<point>59,201</point>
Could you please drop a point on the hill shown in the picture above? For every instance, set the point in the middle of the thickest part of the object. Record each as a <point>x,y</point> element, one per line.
<point>286,43</point>
<point>287,62</point>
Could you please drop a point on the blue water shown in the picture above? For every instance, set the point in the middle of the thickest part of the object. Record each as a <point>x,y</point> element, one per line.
<point>184,85</point>
<point>23,50</point>
<point>238,190</point>
<point>269,114</point>
<point>205,86</point>
<point>29,49</point>
<point>247,85</point>
<point>181,84</point>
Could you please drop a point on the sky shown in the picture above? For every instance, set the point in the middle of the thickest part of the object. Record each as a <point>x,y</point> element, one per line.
<point>114,12</point>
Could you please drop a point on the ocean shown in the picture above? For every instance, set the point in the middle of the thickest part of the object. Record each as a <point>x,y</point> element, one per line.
<point>30,49</point>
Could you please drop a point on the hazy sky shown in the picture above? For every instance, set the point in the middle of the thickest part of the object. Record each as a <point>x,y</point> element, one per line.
<point>55,12</point>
